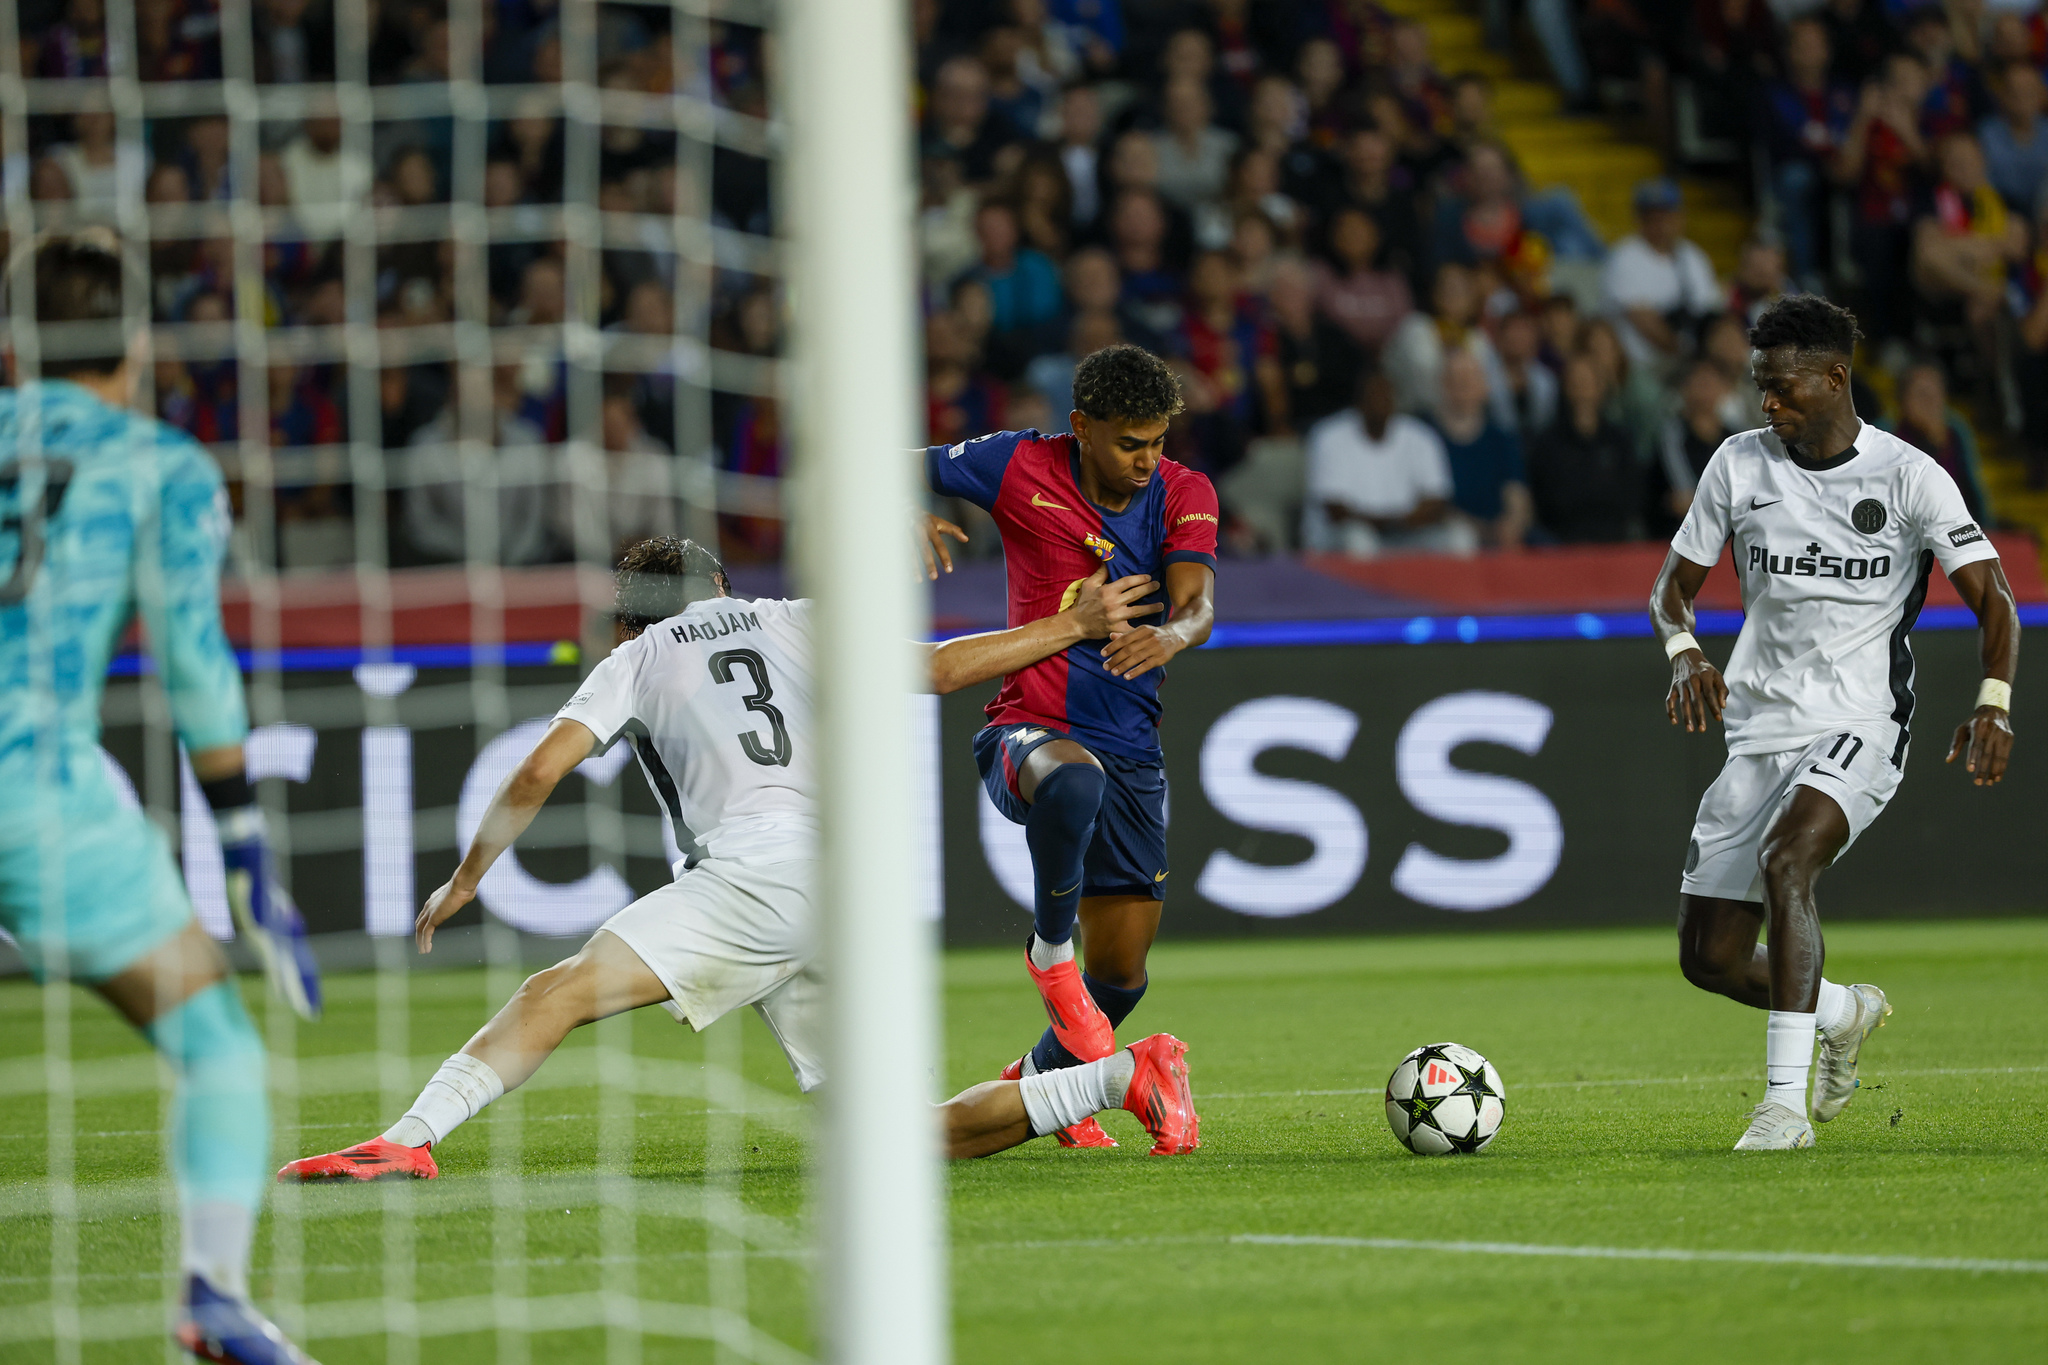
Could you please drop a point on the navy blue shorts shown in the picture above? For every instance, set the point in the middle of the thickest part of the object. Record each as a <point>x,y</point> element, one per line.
<point>1128,854</point>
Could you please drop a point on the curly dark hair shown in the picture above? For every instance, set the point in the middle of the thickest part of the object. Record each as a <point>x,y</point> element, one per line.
<point>1128,382</point>
<point>659,577</point>
<point>1809,324</point>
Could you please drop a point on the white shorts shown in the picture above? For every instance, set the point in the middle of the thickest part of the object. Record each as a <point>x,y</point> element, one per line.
<point>1854,767</point>
<point>727,934</point>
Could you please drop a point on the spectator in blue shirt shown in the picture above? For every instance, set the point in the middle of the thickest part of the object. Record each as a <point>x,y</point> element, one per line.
<point>1092,29</point>
<point>2015,139</point>
<point>1023,284</point>
<point>1488,486</point>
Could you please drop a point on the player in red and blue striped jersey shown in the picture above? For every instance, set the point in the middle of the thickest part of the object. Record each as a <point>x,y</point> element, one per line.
<point>1071,750</point>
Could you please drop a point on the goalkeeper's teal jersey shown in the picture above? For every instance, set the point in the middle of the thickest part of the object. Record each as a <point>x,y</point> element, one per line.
<point>104,513</point>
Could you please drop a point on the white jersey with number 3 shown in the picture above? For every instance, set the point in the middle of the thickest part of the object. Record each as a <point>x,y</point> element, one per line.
<point>716,702</point>
<point>1834,563</point>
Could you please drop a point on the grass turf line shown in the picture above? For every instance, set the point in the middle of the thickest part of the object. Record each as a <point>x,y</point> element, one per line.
<point>1282,1238</point>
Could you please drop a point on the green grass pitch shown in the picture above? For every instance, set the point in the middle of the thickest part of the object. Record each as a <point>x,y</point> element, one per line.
<point>1626,1089</point>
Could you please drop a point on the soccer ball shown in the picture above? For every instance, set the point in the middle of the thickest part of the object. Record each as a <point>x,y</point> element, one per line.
<point>1445,1098</point>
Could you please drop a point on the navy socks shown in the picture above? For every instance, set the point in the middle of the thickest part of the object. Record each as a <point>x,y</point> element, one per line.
<point>1058,829</point>
<point>1114,1001</point>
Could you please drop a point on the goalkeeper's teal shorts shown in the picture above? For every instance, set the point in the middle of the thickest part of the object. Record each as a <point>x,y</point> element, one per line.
<point>87,883</point>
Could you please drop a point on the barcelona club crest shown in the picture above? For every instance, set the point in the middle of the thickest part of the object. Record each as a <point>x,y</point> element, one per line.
<point>1103,549</point>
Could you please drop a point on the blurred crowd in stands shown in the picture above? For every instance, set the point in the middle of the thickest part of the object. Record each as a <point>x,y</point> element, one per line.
<point>1389,338</point>
<point>420,281</point>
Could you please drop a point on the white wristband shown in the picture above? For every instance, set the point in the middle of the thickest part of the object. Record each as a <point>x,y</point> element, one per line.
<point>1995,692</point>
<point>1680,643</point>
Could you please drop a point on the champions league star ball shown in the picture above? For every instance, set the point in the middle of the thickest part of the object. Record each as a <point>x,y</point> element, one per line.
<point>1445,1098</point>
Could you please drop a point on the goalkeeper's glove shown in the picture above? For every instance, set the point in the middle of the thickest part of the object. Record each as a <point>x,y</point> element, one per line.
<point>264,914</point>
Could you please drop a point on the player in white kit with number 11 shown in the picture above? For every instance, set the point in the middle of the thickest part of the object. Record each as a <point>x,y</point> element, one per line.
<point>1836,527</point>
<point>715,695</point>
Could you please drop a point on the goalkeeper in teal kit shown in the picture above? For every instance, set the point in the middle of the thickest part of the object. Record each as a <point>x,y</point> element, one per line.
<point>105,513</point>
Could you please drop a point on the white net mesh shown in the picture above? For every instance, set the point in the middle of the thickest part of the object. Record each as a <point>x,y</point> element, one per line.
<point>462,296</point>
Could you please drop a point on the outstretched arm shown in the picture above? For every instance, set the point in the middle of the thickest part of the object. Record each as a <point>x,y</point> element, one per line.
<point>1697,691</point>
<point>1191,588</point>
<point>1985,739</point>
<point>1100,608</point>
<point>517,801</point>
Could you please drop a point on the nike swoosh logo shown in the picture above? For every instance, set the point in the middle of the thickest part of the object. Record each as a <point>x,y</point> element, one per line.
<point>1038,501</point>
<point>1822,771</point>
<point>1160,878</point>
<point>1754,504</point>
<point>1069,891</point>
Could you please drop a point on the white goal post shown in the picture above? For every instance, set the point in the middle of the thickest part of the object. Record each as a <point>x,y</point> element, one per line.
<point>881,1278</point>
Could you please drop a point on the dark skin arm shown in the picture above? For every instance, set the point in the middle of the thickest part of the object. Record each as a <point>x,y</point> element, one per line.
<point>1101,608</point>
<point>1985,740</point>
<point>1191,588</point>
<point>1697,690</point>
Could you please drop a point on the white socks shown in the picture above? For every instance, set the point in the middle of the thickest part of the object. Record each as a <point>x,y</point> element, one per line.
<point>1046,956</point>
<point>457,1093</point>
<point>217,1234</point>
<point>1788,1056</point>
<point>1835,1010</point>
<point>1060,1099</point>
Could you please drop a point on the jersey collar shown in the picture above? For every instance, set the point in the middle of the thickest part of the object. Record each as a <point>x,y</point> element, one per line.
<point>1835,461</point>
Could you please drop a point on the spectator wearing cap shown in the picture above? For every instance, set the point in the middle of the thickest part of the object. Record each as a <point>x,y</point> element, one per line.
<point>1379,481</point>
<point>2015,140</point>
<point>1657,283</point>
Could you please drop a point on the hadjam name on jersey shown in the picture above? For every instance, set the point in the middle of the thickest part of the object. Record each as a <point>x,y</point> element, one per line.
<point>1812,563</point>
<point>726,624</point>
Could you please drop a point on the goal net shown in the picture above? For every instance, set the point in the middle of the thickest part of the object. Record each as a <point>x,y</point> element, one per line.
<point>464,295</point>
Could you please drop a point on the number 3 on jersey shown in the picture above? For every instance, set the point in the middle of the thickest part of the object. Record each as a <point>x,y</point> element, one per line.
<point>722,665</point>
